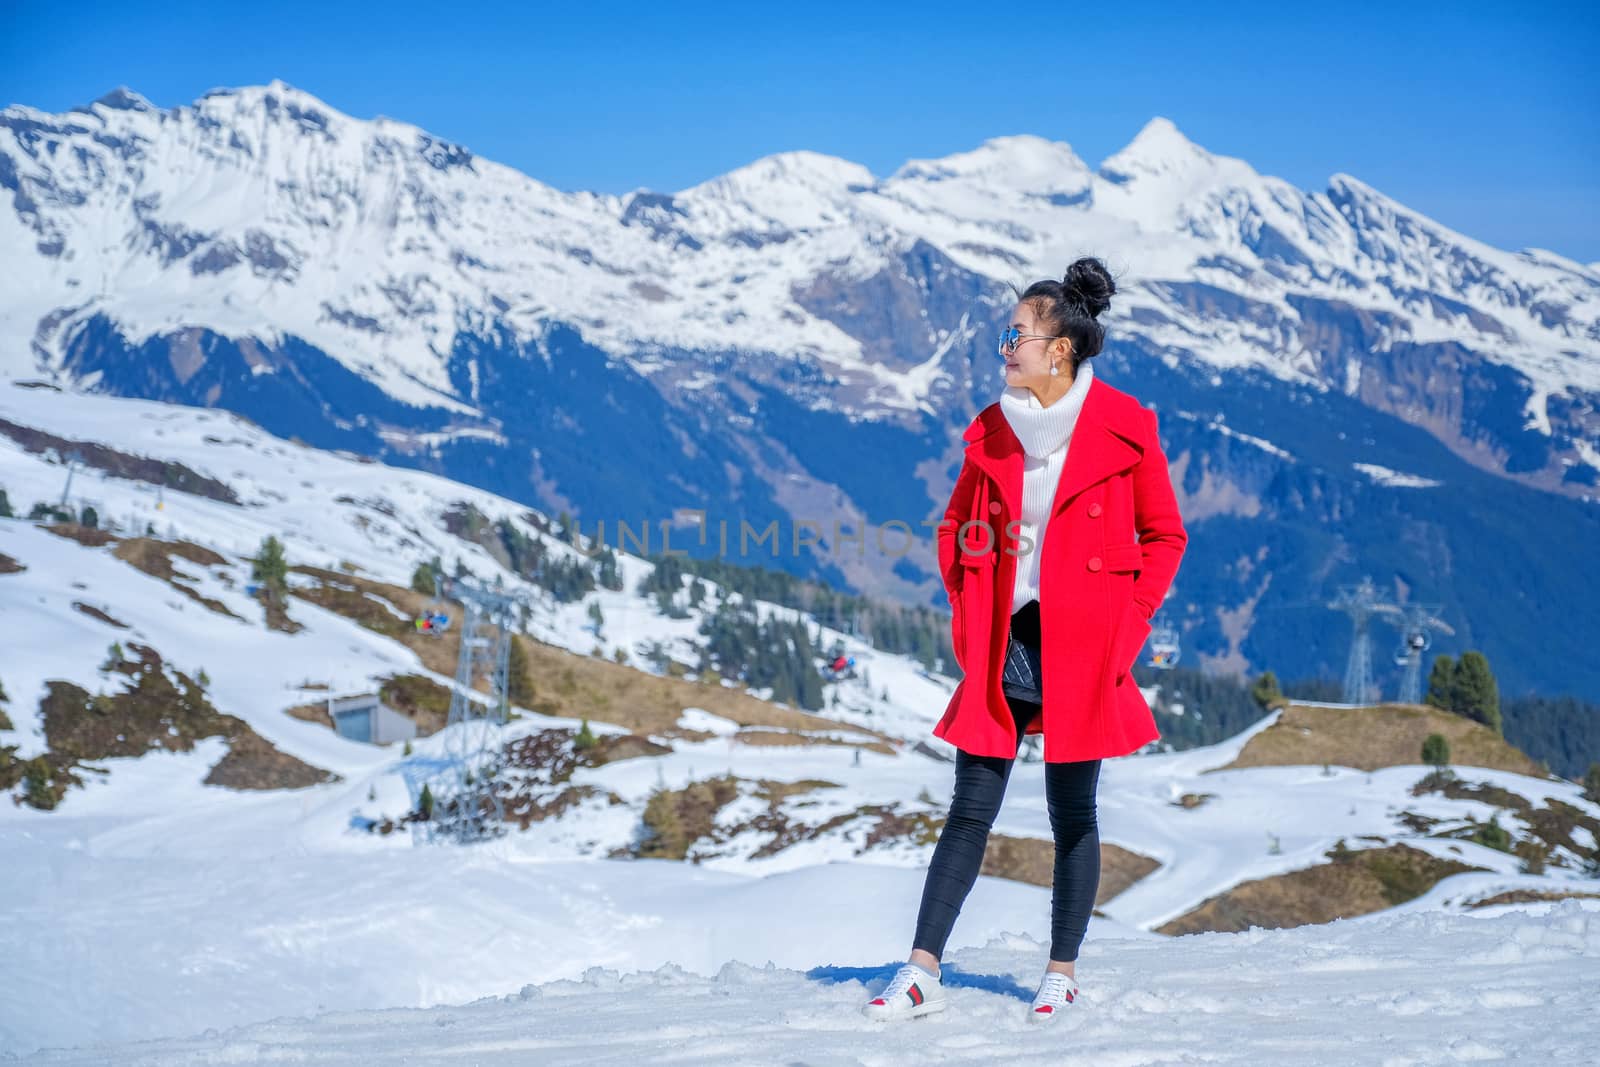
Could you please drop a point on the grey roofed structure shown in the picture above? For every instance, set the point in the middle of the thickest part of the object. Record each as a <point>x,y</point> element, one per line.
<point>363,717</point>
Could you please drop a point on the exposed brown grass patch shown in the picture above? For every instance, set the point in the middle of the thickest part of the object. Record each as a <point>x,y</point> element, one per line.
<point>9,565</point>
<point>155,558</point>
<point>1032,860</point>
<point>768,736</point>
<point>677,818</point>
<point>88,536</point>
<point>316,712</point>
<point>151,711</point>
<point>1530,896</point>
<point>95,613</point>
<point>341,596</point>
<point>1550,824</point>
<point>119,464</point>
<point>536,784</point>
<point>276,612</point>
<point>563,683</point>
<point>253,763</point>
<point>419,698</point>
<point>1355,882</point>
<point>1384,735</point>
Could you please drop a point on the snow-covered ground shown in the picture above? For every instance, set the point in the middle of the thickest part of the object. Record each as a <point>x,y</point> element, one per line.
<point>151,906</point>
<point>1419,988</point>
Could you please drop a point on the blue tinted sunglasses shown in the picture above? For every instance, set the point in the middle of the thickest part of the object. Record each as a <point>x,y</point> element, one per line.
<point>1011,337</point>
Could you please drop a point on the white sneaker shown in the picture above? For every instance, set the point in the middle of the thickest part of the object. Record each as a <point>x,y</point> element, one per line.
<point>912,991</point>
<point>1056,991</point>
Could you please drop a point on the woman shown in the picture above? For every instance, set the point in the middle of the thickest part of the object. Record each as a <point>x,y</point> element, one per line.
<point>1063,533</point>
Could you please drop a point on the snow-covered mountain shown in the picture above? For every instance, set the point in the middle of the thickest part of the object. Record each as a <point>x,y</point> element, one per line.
<point>153,901</point>
<point>802,339</point>
<point>262,212</point>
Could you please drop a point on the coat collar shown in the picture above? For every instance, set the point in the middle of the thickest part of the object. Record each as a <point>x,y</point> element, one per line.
<point>1106,440</point>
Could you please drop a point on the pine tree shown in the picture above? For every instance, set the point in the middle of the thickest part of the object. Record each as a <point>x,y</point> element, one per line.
<point>5,506</point>
<point>518,684</point>
<point>1441,683</point>
<point>584,738</point>
<point>1436,751</point>
<point>271,569</point>
<point>1266,692</point>
<point>609,577</point>
<point>1477,697</point>
<point>89,516</point>
<point>422,577</point>
<point>1591,784</point>
<point>425,803</point>
<point>1494,835</point>
<point>36,784</point>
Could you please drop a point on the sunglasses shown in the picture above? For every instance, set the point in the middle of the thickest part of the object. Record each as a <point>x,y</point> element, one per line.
<point>1011,337</point>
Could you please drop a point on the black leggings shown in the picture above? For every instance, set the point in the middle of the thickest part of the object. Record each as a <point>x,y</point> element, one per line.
<point>980,786</point>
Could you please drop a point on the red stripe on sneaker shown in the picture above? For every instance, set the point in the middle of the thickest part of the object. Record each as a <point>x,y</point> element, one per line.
<point>880,1000</point>
<point>916,995</point>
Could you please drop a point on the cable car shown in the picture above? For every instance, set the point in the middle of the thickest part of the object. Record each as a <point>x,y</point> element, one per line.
<point>1415,643</point>
<point>1163,647</point>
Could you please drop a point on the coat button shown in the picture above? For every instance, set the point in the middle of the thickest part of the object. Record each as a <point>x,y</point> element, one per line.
<point>1094,563</point>
<point>1094,510</point>
<point>994,507</point>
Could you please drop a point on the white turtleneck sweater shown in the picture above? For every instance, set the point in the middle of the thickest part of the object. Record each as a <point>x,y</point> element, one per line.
<point>1043,433</point>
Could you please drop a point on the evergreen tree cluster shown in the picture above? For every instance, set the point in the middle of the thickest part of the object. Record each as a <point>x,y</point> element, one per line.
<point>774,652</point>
<point>921,634</point>
<point>1215,707</point>
<point>1563,731</point>
<point>1465,687</point>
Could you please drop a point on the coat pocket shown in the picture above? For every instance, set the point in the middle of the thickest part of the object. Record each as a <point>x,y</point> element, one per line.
<point>1124,557</point>
<point>1132,631</point>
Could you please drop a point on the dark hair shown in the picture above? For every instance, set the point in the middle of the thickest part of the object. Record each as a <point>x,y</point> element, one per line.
<point>1071,307</point>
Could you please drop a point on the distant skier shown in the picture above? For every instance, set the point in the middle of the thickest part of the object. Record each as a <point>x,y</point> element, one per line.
<point>1104,586</point>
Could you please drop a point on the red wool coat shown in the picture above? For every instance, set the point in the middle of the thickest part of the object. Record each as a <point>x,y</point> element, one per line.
<point>1111,548</point>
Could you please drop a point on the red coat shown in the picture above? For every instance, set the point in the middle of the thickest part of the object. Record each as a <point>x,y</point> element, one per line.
<point>1111,549</point>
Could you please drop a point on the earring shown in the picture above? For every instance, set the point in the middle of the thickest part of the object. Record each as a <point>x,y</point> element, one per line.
<point>1053,371</point>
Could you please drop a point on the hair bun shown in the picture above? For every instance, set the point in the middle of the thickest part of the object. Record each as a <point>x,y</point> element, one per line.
<point>1088,285</point>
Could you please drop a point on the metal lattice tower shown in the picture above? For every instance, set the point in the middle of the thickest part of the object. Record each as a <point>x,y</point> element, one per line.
<point>467,804</point>
<point>1360,602</point>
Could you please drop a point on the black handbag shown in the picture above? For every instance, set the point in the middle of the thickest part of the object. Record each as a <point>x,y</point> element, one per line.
<point>1022,676</point>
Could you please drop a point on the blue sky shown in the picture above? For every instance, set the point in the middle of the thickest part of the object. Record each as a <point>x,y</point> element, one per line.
<point>1484,116</point>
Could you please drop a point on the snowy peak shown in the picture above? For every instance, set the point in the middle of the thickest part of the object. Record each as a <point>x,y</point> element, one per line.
<point>811,170</point>
<point>277,102</point>
<point>122,98</point>
<point>1158,150</point>
<point>1019,161</point>
<point>796,190</point>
